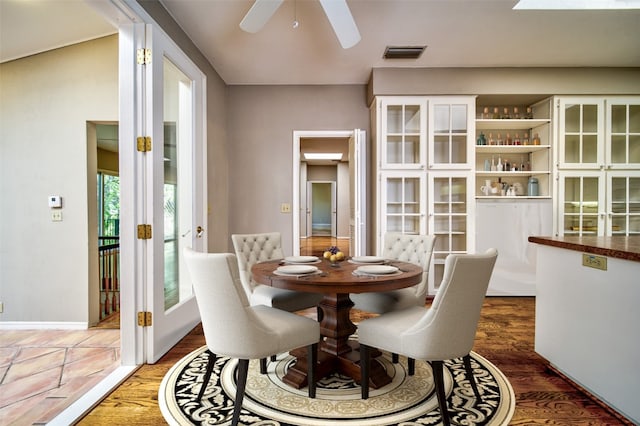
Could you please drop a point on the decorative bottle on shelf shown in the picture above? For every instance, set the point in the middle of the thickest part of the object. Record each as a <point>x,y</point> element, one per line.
<point>529,114</point>
<point>487,165</point>
<point>499,140</point>
<point>506,166</point>
<point>516,139</point>
<point>516,113</point>
<point>485,113</point>
<point>508,140</point>
<point>522,166</point>
<point>536,139</point>
<point>493,165</point>
<point>492,141</point>
<point>481,139</point>
<point>499,167</point>
<point>505,114</point>
<point>496,113</point>
<point>525,139</point>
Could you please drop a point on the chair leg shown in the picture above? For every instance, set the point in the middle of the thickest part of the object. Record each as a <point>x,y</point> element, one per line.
<point>263,366</point>
<point>207,375</point>
<point>365,364</point>
<point>243,369</point>
<point>467,366</point>
<point>395,358</point>
<point>312,361</point>
<point>412,366</point>
<point>438,378</point>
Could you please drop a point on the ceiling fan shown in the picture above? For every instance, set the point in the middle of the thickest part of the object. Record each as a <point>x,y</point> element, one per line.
<point>337,12</point>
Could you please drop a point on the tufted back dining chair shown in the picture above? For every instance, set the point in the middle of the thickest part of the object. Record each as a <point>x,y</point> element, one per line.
<point>234,328</point>
<point>253,248</point>
<point>445,331</point>
<point>416,249</point>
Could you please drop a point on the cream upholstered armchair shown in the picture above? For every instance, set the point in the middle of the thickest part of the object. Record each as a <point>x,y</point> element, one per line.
<point>234,328</point>
<point>253,248</point>
<point>445,331</point>
<point>415,249</point>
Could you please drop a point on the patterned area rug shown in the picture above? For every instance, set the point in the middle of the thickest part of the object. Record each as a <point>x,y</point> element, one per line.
<point>407,400</point>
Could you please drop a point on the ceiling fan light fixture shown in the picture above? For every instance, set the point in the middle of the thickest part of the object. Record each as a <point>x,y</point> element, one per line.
<point>403,52</point>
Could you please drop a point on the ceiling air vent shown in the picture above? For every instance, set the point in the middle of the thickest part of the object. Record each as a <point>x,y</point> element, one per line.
<point>403,52</point>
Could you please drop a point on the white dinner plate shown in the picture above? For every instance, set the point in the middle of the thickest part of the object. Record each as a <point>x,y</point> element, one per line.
<point>367,259</point>
<point>301,259</point>
<point>296,269</point>
<point>377,269</point>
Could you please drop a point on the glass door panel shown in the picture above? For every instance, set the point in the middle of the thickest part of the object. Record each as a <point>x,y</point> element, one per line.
<point>403,203</point>
<point>449,133</point>
<point>403,134</point>
<point>449,202</point>
<point>623,128</point>
<point>582,200</point>
<point>624,204</point>
<point>581,133</point>
<point>175,191</point>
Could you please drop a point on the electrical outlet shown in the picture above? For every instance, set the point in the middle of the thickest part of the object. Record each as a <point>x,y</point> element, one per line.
<point>285,208</point>
<point>56,216</point>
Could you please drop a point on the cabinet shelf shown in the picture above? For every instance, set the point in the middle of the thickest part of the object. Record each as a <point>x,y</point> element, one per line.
<point>510,149</point>
<point>510,124</point>
<point>511,197</point>
<point>518,173</point>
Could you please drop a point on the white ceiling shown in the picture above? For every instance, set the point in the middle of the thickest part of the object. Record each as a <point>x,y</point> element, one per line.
<point>458,33</point>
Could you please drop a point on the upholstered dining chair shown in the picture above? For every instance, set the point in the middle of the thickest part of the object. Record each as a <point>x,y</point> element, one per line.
<point>234,328</point>
<point>444,331</point>
<point>410,248</point>
<point>253,248</point>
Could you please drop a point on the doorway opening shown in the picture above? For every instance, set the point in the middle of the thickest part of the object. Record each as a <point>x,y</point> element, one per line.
<point>329,197</point>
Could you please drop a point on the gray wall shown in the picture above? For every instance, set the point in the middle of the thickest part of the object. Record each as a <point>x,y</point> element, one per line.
<point>261,123</point>
<point>47,100</point>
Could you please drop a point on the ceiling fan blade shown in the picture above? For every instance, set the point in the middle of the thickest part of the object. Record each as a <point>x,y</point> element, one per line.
<point>342,21</point>
<point>259,14</point>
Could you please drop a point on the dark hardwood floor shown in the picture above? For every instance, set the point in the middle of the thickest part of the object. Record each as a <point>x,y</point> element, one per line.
<point>505,337</point>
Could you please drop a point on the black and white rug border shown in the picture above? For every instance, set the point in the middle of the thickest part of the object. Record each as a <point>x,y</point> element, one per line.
<point>178,388</point>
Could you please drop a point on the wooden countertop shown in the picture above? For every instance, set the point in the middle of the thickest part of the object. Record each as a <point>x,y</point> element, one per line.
<point>627,248</point>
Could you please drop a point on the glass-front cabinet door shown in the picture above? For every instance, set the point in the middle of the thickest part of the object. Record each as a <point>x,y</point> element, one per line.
<point>623,205</point>
<point>403,133</point>
<point>451,127</point>
<point>403,203</point>
<point>623,133</point>
<point>581,133</point>
<point>581,201</point>
<point>449,208</point>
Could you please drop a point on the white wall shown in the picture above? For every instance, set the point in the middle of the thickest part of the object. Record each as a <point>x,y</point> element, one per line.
<point>45,103</point>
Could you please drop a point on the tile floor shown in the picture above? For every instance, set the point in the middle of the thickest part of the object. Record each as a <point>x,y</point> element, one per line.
<point>43,371</point>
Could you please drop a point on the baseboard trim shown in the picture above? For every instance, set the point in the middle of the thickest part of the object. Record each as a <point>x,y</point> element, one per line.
<point>42,325</point>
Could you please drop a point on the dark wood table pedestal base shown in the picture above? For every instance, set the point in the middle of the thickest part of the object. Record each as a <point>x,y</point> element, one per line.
<point>336,353</point>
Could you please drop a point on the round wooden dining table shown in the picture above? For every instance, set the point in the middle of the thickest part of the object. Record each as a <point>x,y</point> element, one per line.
<point>337,354</point>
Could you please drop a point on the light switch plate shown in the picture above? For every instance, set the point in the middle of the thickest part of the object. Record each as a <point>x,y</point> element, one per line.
<point>56,216</point>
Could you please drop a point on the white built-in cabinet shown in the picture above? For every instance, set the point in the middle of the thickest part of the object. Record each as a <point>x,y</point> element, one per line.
<point>598,166</point>
<point>424,172</point>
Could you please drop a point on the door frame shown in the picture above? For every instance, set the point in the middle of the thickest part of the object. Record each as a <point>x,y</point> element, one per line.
<point>298,165</point>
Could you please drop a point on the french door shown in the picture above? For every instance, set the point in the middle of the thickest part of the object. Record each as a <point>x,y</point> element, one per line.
<point>174,192</point>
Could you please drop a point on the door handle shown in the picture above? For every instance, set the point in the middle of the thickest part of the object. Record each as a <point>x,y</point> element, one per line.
<point>199,231</point>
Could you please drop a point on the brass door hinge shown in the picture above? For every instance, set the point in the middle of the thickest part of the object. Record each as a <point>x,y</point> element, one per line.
<point>144,319</point>
<point>143,56</point>
<point>144,232</point>
<point>144,143</point>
